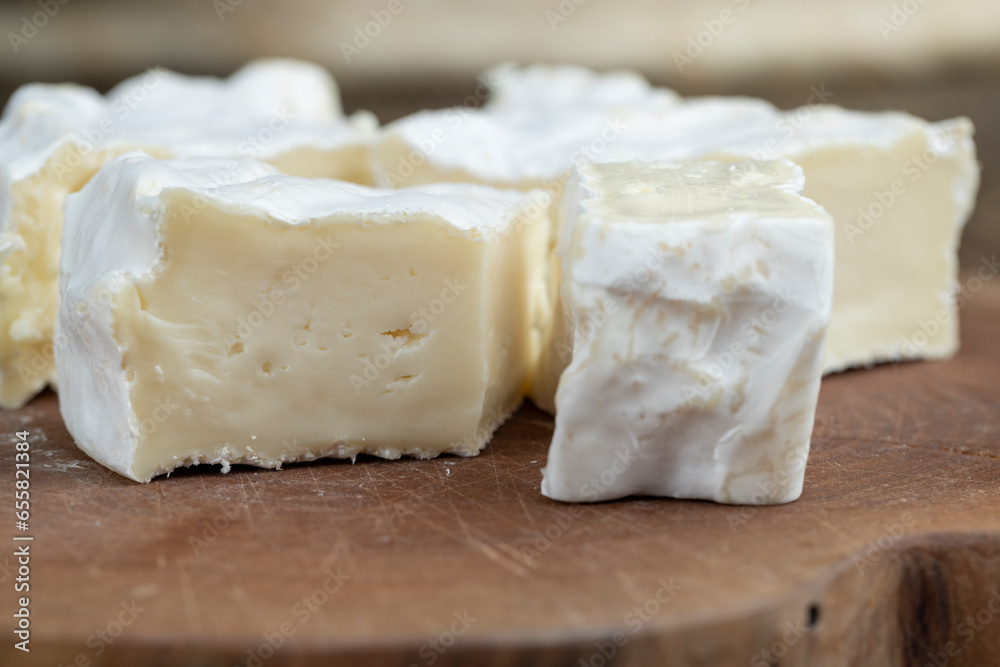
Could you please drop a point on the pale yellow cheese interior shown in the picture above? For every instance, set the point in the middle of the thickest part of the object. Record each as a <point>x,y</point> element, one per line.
<point>268,343</point>
<point>350,163</point>
<point>29,265</point>
<point>29,271</point>
<point>897,216</point>
<point>894,271</point>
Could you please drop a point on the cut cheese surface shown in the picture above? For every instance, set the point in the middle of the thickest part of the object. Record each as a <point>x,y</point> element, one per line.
<point>694,298</point>
<point>54,138</point>
<point>900,189</point>
<point>278,319</point>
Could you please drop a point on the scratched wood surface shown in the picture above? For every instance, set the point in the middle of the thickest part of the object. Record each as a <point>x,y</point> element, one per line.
<point>891,557</point>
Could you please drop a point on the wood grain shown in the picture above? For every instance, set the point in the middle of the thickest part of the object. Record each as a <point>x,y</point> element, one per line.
<point>894,545</point>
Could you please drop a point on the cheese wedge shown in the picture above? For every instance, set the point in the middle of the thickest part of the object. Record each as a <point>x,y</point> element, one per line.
<point>696,299</point>
<point>900,189</point>
<point>53,138</point>
<point>273,319</point>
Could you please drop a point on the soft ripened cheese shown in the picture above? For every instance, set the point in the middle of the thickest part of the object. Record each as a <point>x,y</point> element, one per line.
<point>697,297</point>
<point>273,319</point>
<point>900,189</point>
<point>565,88</point>
<point>537,121</point>
<point>53,138</point>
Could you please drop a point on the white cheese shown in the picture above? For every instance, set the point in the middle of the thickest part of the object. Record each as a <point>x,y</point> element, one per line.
<point>278,319</point>
<point>900,189</point>
<point>53,138</point>
<point>537,121</point>
<point>565,88</point>
<point>697,298</point>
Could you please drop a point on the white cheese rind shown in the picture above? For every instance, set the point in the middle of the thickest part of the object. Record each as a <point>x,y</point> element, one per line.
<point>53,138</point>
<point>277,319</point>
<point>537,121</point>
<point>896,270</point>
<point>697,297</point>
<point>184,115</point>
<point>563,88</point>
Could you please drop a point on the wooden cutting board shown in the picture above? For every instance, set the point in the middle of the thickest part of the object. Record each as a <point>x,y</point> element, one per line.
<point>891,557</point>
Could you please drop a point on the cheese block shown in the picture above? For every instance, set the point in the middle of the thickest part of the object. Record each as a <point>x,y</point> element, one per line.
<point>537,121</point>
<point>53,138</point>
<point>270,319</point>
<point>900,189</point>
<point>697,298</point>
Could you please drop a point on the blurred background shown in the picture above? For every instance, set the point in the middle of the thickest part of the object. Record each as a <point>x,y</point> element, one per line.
<point>933,58</point>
